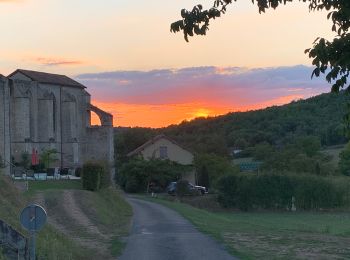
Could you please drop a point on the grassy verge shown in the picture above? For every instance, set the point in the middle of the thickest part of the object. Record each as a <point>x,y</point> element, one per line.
<point>273,235</point>
<point>97,220</point>
<point>110,213</point>
<point>68,235</point>
<point>51,243</point>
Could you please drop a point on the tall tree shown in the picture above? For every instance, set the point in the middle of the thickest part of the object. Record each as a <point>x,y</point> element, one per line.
<point>329,57</point>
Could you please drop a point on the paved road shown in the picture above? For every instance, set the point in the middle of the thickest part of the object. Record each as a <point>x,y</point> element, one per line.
<point>159,233</point>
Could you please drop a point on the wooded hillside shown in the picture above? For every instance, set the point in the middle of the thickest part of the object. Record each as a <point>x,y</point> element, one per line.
<point>320,116</point>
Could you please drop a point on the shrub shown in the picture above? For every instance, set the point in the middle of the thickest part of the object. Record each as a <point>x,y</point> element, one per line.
<point>78,172</point>
<point>105,174</point>
<point>132,185</point>
<point>182,188</point>
<point>275,191</point>
<point>137,174</point>
<point>91,178</point>
<point>2,162</point>
<point>211,167</point>
<point>47,157</point>
<point>25,160</point>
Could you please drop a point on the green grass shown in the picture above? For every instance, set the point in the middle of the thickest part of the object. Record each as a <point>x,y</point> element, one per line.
<point>2,257</point>
<point>34,186</point>
<point>110,213</point>
<point>273,235</point>
<point>117,246</point>
<point>51,244</point>
<point>106,209</point>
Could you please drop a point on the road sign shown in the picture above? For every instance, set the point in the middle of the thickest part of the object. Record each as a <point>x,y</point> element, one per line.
<point>249,166</point>
<point>33,217</point>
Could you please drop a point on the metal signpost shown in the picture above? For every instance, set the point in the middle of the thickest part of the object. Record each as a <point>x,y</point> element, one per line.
<point>33,218</point>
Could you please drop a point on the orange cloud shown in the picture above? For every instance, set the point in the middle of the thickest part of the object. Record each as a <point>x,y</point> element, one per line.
<point>57,61</point>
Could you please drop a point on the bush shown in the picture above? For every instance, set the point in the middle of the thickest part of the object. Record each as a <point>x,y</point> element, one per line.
<point>105,174</point>
<point>132,185</point>
<point>92,175</point>
<point>2,162</point>
<point>211,167</point>
<point>137,174</point>
<point>78,172</point>
<point>182,188</point>
<point>275,191</point>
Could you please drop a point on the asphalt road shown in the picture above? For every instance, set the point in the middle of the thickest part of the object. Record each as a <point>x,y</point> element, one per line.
<point>159,233</point>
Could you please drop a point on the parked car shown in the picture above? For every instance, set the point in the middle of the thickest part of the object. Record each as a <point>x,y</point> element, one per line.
<point>193,189</point>
<point>203,190</point>
<point>171,189</point>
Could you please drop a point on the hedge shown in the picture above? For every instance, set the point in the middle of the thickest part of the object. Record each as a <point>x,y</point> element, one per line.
<point>93,175</point>
<point>275,191</point>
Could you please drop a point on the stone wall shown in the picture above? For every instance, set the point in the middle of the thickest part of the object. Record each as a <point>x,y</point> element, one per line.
<point>100,145</point>
<point>5,124</point>
<point>46,116</point>
<point>2,118</point>
<point>13,244</point>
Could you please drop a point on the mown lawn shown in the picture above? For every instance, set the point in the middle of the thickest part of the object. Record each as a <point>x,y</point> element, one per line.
<point>274,235</point>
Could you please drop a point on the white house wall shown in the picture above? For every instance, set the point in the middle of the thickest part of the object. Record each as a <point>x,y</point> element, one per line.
<point>175,152</point>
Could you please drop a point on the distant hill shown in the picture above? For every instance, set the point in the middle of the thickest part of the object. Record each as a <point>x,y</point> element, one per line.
<point>320,116</point>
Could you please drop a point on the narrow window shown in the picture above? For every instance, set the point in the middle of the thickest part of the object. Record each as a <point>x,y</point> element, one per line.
<point>163,152</point>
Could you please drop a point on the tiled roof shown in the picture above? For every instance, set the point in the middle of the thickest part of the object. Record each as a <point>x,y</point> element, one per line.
<point>152,141</point>
<point>49,78</point>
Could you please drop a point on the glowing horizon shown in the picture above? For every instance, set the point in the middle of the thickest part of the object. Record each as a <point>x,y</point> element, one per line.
<point>159,98</point>
<point>176,116</point>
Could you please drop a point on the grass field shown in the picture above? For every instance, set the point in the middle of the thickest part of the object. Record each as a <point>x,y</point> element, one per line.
<point>81,224</point>
<point>274,235</point>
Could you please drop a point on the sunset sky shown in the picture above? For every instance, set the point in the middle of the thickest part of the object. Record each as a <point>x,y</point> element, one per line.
<point>135,68</point>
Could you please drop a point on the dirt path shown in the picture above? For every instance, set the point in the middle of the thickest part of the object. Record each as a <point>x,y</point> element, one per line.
<point>68,218</point>
<point>74,211</point>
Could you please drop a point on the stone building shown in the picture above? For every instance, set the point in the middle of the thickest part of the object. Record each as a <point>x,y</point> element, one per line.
<point>44,111</point>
